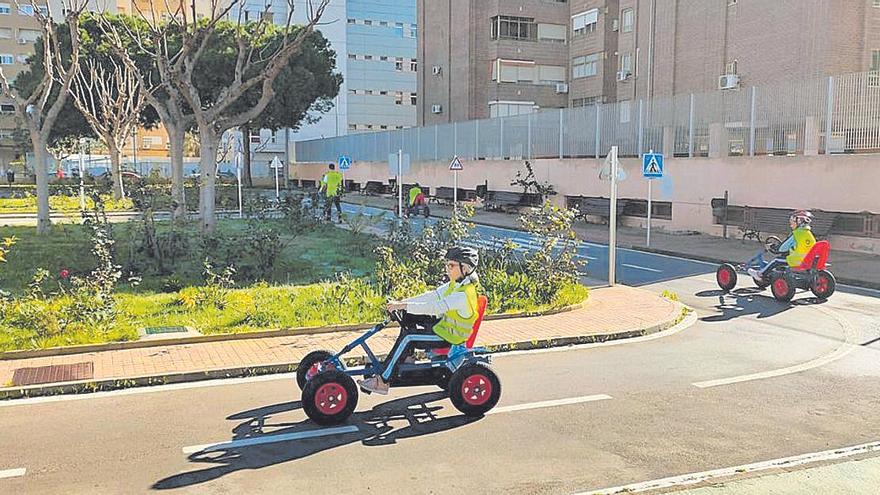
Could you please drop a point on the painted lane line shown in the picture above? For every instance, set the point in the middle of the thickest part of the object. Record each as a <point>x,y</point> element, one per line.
<point>267,439</point>
<point>637,267</point>
<point>12,473</point>
<point>549,403</point>
<point>847,347</point>
<point>785,462</point>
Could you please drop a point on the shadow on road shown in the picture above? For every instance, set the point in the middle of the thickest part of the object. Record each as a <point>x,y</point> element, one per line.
<point>374,429</point>
<point>744,302</point>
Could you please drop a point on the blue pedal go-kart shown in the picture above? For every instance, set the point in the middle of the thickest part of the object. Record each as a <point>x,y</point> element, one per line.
<point>782,279</point>
<point>330,394</point>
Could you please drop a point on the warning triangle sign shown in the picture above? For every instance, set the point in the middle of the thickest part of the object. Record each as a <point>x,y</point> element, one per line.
<point>653,166</point>
<point>456,164</point>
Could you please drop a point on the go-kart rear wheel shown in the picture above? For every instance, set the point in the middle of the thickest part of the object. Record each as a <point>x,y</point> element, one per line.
<point>782,287</point>
<point>823,284</point>
<point>726,277</point>
<point>329,398</point>
<point>310,366</point>
<point>427,211</point>
<point>474,389</point>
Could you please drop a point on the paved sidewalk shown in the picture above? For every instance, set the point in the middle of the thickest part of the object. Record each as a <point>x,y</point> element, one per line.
<point>608,314</point>
<point>848,267</point>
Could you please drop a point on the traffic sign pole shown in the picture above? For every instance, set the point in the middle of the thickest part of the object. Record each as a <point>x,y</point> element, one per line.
<point>649,212</point>
<point>400,185</point>
<point>612,237</point>
<point>455,192</point>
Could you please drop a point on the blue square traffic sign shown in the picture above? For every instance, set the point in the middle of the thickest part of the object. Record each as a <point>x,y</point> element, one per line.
<point>344,162</point>
<point>652,165</point>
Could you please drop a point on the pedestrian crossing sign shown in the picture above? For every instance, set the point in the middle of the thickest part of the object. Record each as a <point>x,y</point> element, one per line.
<point>456,164</point>
<point>652,166</point>
<point>344,162</point>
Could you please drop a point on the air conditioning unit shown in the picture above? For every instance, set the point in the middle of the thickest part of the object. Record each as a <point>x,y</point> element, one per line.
<point>615,25</point>
<point>256,140</point>
<point>728,81</point>
<point>436,70</point>
<point>22,41</point>
<point>436,108</point>
<point>561,88</point>
<point>623,75</point>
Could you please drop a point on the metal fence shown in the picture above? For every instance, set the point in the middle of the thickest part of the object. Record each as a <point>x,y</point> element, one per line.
<point>839,114</point>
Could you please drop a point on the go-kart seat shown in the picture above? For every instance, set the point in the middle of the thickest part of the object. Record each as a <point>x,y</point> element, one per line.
<point>816,258</point>
<point>482,302</point>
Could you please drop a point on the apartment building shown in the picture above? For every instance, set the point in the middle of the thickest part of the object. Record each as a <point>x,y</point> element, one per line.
<point>502,57</point>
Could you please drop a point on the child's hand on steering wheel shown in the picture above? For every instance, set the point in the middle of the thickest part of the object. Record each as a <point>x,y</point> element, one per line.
<point>395,306</point>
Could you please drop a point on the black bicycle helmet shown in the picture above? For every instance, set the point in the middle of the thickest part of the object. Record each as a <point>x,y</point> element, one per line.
<point>465,255</point>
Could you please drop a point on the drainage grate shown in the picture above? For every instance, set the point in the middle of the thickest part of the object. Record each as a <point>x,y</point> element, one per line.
<point>53,374</point>
<point>161,330</point>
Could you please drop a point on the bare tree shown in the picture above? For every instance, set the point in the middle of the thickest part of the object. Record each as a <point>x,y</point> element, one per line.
<point>39,111</point>
<point>111,101</point>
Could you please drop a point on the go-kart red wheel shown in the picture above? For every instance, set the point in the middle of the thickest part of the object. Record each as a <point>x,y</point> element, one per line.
<point>474,389</point>
<point>329,398</point>
<point>782,287</point>
<point>823,284</point>
<point>310,366</point>
<point>726,277</point>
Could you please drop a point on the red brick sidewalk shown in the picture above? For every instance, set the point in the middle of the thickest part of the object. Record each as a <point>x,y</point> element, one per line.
<point>610,313</point>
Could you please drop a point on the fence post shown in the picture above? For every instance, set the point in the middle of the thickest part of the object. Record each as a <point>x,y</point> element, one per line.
<point>691,128</point>
<point>641,127</point>
<point>529,136</point>
<point>560,133</point>
<point>454,139</point>
<point>829,111</point>
<point>501,138</point>
<point>477,140</point>
<point>598,129</point>
<point>752,123</point>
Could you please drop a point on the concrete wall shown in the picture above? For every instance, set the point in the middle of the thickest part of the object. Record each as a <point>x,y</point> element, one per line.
<point>838,183</point>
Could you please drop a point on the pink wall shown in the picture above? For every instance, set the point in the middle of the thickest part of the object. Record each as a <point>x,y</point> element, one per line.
<point>848,183</point>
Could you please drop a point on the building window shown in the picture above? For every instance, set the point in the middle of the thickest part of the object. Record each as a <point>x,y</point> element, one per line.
<point>383,23</point>
<point>514,71</point>
<point>7,59</point>
<point>368,91</point>
<point>383,93</point>
<point>383,127</point>
<point>26,10</point>
<point>552,32</point>
<point>875,59</point>
<point>731,67</point>
<point>585,102</point>
<point>352,91</point>
<point>510,108</point>
<point>5,9</point>
<point>368,22</point>
<point>30,35</point>
<point>414,65</point>
<point>624,111</point>
<point>6,33</point>
<point>352,21</point>
<point>7,108</point>
<point>514,28</point>
<point>368,57</point>
<point>398,29</point>
<point>413,99</point>
<point>398,97</point>
<point>877,3</point>
<point>551,74</point>
<point>584,22</point>
<point>22,59</point>
<point>399,127</point>
<point>150,141</point>
<point>585,66</point>
<point>383,58</point>
<point>352,56</point>
<point>352,127</point>
<point>627,20</point>
<point>398,64</point>
<point>413,31</point>
<point>626,62</point>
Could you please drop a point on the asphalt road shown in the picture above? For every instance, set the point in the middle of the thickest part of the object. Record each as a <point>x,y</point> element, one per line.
<point>750,380</point>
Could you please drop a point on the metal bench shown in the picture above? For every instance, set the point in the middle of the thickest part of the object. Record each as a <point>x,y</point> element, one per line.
<point>597,207</point>
<point>374,188</point>
<point>445,194</point>
<point>509,200</point>
<point>760,222</point>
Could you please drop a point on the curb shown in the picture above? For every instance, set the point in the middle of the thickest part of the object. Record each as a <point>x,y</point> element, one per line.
<point>284,332</point>
<point>695,257</point>
<point>91,386</point>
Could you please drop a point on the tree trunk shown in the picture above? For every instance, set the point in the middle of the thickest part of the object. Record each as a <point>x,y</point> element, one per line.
<point>246,147</point>
<point>115,169</point>
<point>176,139</point>
<point>208,142</point>
<point>44,223</point>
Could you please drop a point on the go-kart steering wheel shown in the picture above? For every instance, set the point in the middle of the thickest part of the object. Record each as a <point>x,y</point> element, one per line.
<point>772,243</point>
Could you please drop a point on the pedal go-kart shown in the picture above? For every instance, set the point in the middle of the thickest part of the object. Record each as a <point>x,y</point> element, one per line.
<point>420,207</point>
<point>782,279</point>
<point>330,395</point>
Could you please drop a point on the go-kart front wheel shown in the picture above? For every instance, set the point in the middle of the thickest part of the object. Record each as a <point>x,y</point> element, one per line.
<point>782,286</point>
<point>823,284</point>
<point>726,277</point>
<point>310,366</point>
<point>474,389</point>
<point>329,398</point>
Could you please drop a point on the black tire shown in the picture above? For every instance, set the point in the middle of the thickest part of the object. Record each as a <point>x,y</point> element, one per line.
<point>782,286</point>
<point>726,277</point>
<point>823,284</point>
<point>471,400</point>
<point>763,283</point>
<point>303,367</point>
<point>427,211</point>
<point>330,398</point>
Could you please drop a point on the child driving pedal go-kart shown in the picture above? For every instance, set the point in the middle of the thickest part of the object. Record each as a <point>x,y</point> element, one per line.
<point>792,251</point>
<point>448,312</point>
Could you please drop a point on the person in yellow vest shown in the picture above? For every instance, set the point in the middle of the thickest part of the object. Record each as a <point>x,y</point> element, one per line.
<point>449,311</point>
<point>801,240</point>
<point>331,186</point>
<point>414,194</point>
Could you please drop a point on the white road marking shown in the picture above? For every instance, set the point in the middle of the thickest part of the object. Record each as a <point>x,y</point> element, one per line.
<point>12,473</point>
<point>785,462</point>
<point>847,347</point>
<point>637,267</point>
<point>248,442</point>
<point>549,403</point>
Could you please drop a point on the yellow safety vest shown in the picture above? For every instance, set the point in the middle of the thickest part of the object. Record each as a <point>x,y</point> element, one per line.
<point>453,327</point>
<point>803,242</point>
<point>413,194</point>
<point>332,180</point>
